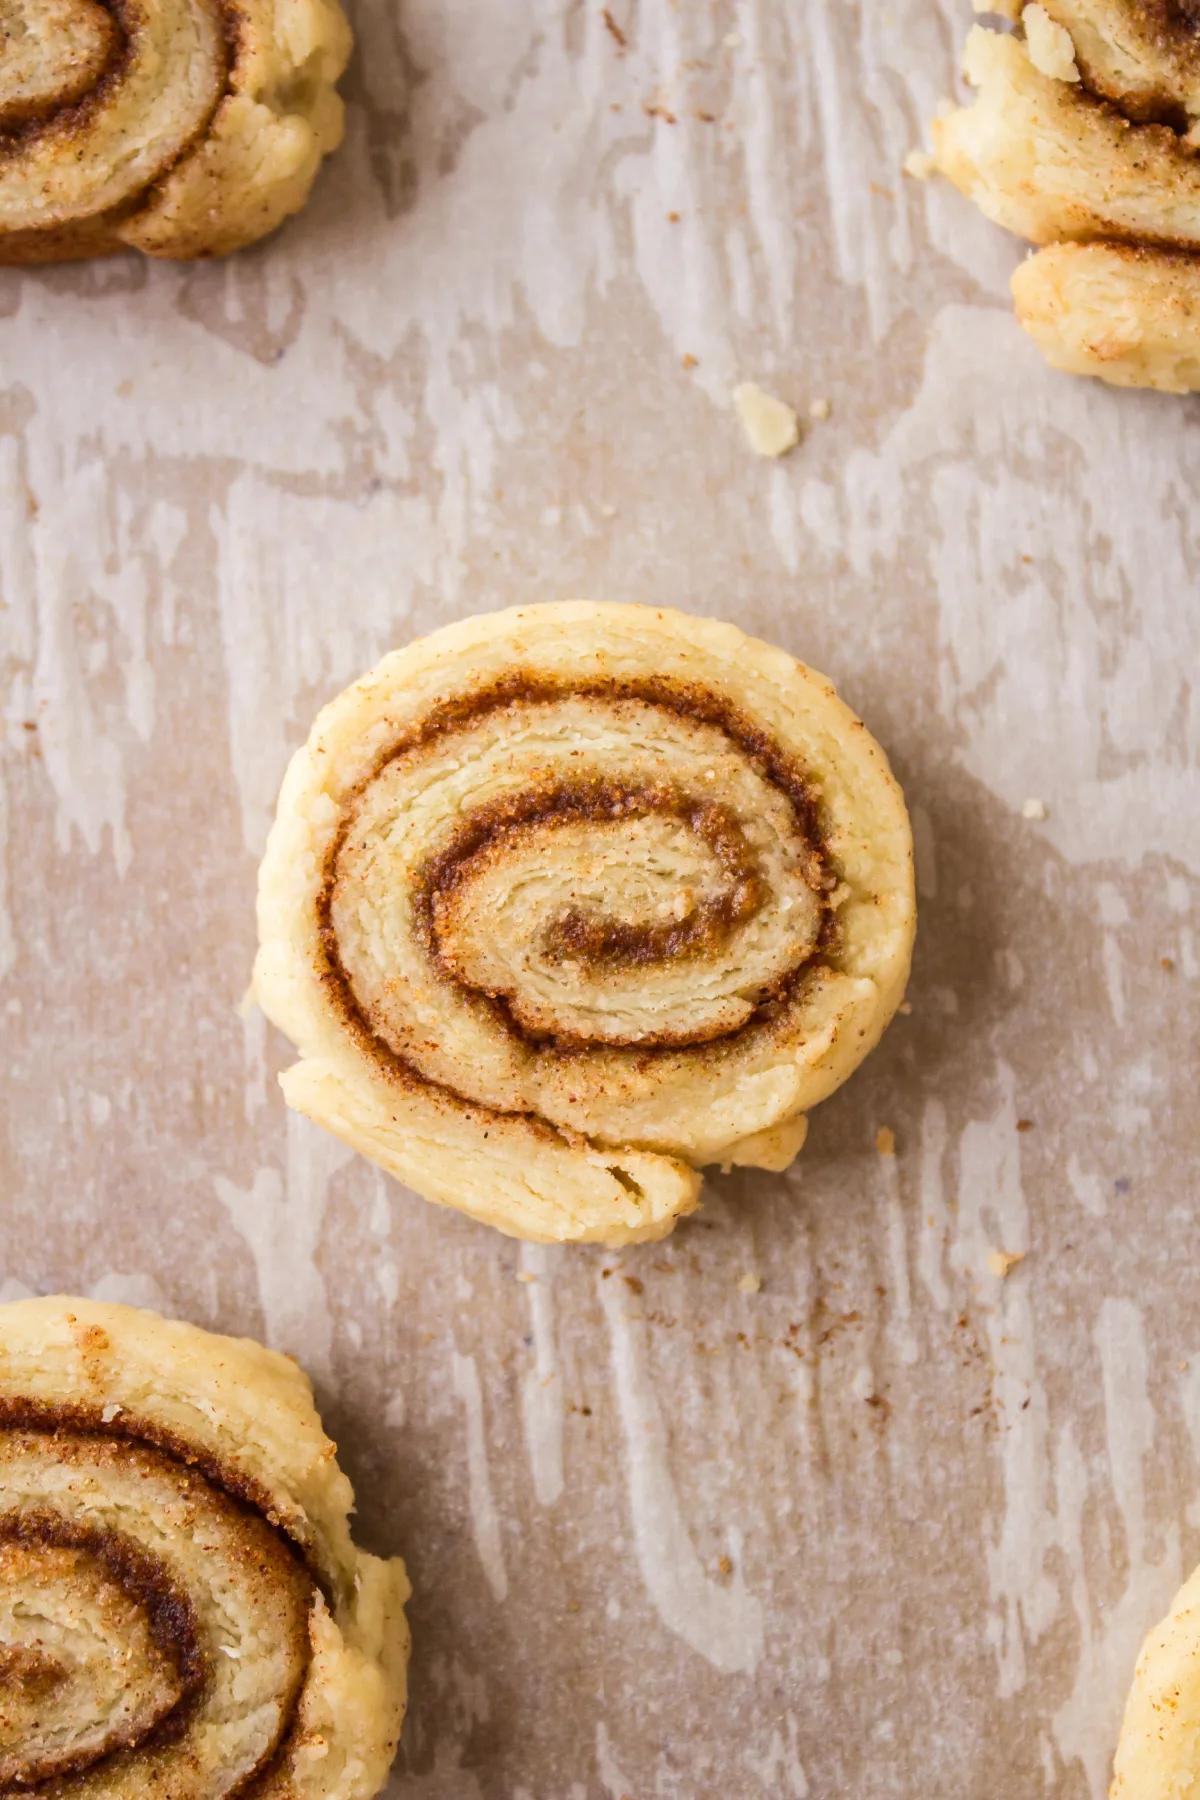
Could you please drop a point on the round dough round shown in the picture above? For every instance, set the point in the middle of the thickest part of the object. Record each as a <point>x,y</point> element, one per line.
<point>182,1609</point>
<point>1157,1757</point>
<point>182,128</point>
<point>563,903</point>
<point>1082,138</point>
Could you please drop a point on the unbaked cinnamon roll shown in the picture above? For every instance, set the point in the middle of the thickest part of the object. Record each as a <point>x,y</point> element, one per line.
<point>1084,138</point>
<point>1158,1753</point>
<point>182,1610</point>
<point>183,128</point>
<point>562,904</point>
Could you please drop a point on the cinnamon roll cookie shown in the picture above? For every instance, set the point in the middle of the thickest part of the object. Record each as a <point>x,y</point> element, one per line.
<point>1158,1754</point>
<point>564,903</point>
<point>1085,138</point>
<point>182,1610</point>
<point>182,128</point>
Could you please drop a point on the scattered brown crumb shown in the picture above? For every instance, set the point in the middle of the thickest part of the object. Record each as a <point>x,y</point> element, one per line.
<point>707,117</point>
<point>1002,1262</point>
<point>659,112</point>
<point>688,361</point>
<point>632,1282</point>
<point>614,30</point>
<point>673,217</point>
<point>1168,962</point>
<point>885,1141</point>
<point>724,1566</point>
<point>1024,1124</point>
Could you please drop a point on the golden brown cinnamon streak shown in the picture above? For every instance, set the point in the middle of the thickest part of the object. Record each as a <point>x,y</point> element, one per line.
<point>1083,138</point>
<point>182,1610</point>
<point>565,902</point>
<point>182,128</point>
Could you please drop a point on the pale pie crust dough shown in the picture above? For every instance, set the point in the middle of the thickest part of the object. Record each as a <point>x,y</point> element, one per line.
<point>603,1144</point>
<point>207,1454</point>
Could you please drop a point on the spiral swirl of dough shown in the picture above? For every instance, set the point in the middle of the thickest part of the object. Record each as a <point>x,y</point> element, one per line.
<point>182,1611</point>
<point>1084,138</point>
<point>183,128</point>
<point>563,903</point>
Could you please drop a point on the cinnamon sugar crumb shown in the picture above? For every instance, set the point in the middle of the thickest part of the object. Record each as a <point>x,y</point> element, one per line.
<point>614,30</point>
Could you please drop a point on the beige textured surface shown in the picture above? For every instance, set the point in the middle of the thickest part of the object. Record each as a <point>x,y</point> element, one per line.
<point>951,1505</point>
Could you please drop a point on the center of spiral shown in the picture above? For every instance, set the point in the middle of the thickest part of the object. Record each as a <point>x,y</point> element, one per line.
<point>97,1648</point>
<point>52,54</point>
<point>610,867</point>
<point>666,907</point>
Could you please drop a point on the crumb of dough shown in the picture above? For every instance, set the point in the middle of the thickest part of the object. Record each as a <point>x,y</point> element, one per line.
<point>920,165</point>
<point>732,40</point>
<point>885,1141</point>
<point>1034,809</point>
<point>905,1007</point>
<point>771,425</point>
<point>1049,45</point>
<point>525,1275</point>
<point>820,409</point>
<point>1002,1262</point>
<point>749,1284</point>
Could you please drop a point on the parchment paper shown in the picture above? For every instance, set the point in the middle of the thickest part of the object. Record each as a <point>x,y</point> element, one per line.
<point>891,1525</point>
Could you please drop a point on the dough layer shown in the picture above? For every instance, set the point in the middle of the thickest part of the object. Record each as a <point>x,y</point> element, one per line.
<point>563,903</point>
<point>182,1610</point>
